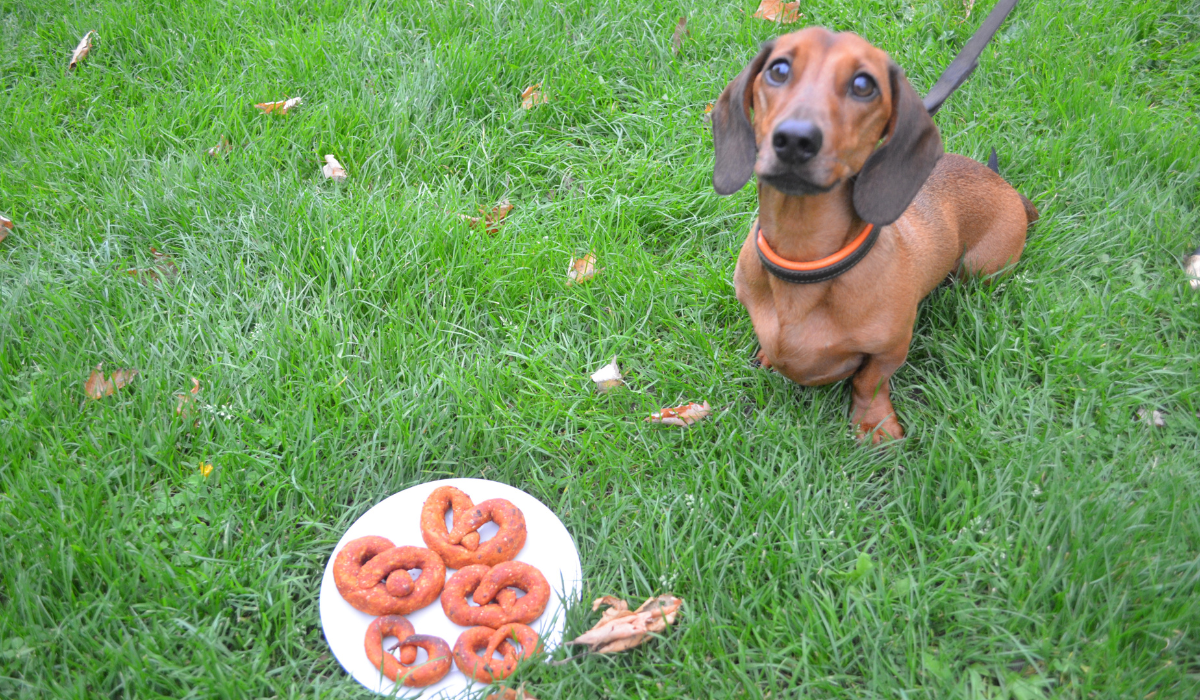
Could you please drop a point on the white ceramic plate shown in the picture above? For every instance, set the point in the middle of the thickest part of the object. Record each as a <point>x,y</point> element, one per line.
<point>548,546</point>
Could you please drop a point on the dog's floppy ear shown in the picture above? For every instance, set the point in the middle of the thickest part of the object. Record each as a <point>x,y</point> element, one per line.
<point>896,170</point>
<point>733,135</point>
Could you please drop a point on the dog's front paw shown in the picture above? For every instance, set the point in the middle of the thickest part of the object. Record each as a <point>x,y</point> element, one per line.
<point>888,429</point>
<point>761,360</point>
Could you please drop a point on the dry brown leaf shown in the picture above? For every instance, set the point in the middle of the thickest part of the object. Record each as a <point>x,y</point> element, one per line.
<point>6,225</point>
<point>333,170</point>
<point>608,377</point>
<point>490,220</point>
<point>582,269</point>
<point>81,51</point>
<point>510,694</point>
<point>619,629</point>
<point>1155,417</point>
<point>682,416</point>
<point>778,11</point>
<point>532,96</point>
<point>97,387</point>
<point>184,403</point>
<point>223,146</point>
<point>164,269</point>
<point>280,107</point>
<point>681,31</point>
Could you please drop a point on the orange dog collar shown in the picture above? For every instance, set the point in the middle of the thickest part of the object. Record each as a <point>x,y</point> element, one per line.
<point>817,270</point>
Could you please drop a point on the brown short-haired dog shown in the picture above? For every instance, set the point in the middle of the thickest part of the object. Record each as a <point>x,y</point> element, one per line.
<point>860,215</point>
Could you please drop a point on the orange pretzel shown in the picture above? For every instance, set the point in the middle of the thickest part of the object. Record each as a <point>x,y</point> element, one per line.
<point>363,564</point>
<point>487,668</point>
<point>461,546</point>
<point>402,671</point>
<point>493,584</point>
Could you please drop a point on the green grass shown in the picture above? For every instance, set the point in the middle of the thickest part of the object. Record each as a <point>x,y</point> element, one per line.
<point>1028,539</point>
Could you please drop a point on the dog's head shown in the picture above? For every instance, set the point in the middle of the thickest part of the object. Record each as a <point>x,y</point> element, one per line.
<point>810,112</point>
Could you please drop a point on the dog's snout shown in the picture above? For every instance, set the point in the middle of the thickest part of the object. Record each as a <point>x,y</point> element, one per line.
<point>796,141</point>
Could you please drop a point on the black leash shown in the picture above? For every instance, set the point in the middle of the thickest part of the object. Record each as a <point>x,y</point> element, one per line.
<point>964,63</point>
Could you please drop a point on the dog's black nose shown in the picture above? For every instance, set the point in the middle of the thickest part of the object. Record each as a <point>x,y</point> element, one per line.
<point>796,141</point>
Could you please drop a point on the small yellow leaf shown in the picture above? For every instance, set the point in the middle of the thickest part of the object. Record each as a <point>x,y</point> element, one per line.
<point>532,96</point>
<point>779,11</point>
<point>81,51</point>
<point>205,469</point>
<point>708,108</point>
<point>682,416</point>
<point>582,269</point>
<point>333,170</point>
<point>281,107</point>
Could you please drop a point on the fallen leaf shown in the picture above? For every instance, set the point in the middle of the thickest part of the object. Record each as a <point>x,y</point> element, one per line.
<point>970,5</point>
<point>681,31</point>
<point>81,51</point>
<point>205,469</point>
<point>778,11</point>
<point>184,403</point>
<point>1156,418</point>
<point>510,694</point>
<point>490,220</point>
<point>682,416</point>
<point>282,106</point>
<point>6,225</point>
<point>619,629</point>
<point>532,96</point>
<point>1191,266</point>
<point>581,269</point>
<point>97,387</point>
<point>708,108</point>
<point>608,377</point>
<point>333,170</point>
<point>164,269</point>
<point>223,146</point>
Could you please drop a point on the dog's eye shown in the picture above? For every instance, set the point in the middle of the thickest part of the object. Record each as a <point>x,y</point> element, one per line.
<point>863,85</point>
<point>778,73</point>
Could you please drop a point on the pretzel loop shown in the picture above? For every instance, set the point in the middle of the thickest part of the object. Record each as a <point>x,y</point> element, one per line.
<point>461,547</point>
<point>403,671</point>
<point>487,668</point>
<point>495,584</point>
<point>372,575</point>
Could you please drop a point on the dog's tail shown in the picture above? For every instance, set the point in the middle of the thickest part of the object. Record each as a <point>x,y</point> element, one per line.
<point>1031,212</point>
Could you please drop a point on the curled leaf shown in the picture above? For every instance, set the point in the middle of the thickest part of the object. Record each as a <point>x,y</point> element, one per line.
<point>608,377</point>
<point>223,146</point>
<point>708,108</point>
<point>333,170</point>
<point>581,269</point>
<point>620,629</point>
<point>81,51</point>
<point>490,220</point>
<point>778,11</point>
<point>6,225</point>
<point>682,416</point>
<point>532,96</point>
<point>280,107</point>
<point>164,269</point>
<point>681,31</point>
<point>97,387</point>
<point>185,403</point>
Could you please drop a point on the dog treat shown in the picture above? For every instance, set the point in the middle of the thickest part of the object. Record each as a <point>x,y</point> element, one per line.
<point>403,671</point>
<point>461,547</point>
<point>487,668</point>
<point>363,565</point>
<point>494,584</point>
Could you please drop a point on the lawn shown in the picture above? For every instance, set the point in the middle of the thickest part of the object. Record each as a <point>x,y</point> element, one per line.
<point>1030,538</point>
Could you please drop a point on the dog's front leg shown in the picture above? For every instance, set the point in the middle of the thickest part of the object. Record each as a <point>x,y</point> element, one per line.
<point>871,404</point>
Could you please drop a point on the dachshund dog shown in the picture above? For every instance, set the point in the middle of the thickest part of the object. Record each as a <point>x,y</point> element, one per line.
<point>859,214</point>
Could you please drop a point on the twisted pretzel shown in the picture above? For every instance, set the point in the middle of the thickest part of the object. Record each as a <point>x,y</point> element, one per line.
<point>402,671</point>
<point>362,584</point>
<point>493,584</point>
<point>487,668</point>
<point>461,547</point>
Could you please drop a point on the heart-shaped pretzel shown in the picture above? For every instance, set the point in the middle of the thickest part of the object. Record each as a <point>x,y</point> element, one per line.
<point>360,570</point>
<point>487,668</point>
<point>493,584</point>
<point>402,671</point>
<point>461,547</point>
